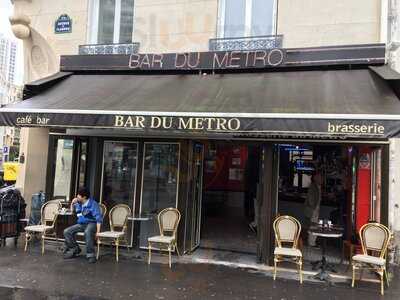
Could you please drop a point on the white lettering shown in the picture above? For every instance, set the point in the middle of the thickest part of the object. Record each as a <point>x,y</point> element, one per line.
<point>155,122</point>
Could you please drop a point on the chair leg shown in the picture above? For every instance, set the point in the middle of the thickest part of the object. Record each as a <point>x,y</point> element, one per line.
<point>126,243</point>
<point>354,276</point>
<point>177,250</point>
<point>149,258</point>
<point>27,238</point>
<point>386,276</point>
<point>98,249</point>
<point>169,255</point>
<point>116,250</point>
<point>275,263</point>
<point>300,271</point>
<point>43,244</point>
<point>361,274</point>
<point>382,286</point>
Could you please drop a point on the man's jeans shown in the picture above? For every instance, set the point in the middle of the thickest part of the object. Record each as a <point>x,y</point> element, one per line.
<point>90,232</point>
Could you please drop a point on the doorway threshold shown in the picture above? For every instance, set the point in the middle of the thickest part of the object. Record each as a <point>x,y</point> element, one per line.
<point>249,262</point>
<point>232,259</point>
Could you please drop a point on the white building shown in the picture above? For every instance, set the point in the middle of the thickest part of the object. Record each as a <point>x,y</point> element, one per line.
<point>9,92</point>
<point>148,26</point>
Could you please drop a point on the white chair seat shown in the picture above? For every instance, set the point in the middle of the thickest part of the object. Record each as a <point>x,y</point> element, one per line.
<point>368,259</point>
<point>161,239</point>
<point>38,228</point>
<point>287,251</point>
<point>110,234</point>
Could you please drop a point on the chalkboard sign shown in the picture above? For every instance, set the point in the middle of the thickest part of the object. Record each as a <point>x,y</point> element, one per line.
<point>63,24</point>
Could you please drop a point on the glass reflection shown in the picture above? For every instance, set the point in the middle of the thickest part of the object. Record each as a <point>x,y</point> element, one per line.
<point>126,26</point>
<point>160,184</point>
<point>63,168</point>
<point>82,165</point>
<point>119,173</point>
<point>106,21</point>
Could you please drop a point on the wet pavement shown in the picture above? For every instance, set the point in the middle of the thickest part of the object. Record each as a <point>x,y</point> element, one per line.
<point>32,276</point>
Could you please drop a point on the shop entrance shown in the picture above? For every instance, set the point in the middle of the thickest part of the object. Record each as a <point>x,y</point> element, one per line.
<point>229,190</point>
<point>349,180</point>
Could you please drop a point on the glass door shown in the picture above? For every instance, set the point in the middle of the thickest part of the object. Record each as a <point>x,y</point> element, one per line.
<point>197,194</point>
<point>160,179</point>
<point>81,165</point>
<point>119,177</point>
<point>64,150</point>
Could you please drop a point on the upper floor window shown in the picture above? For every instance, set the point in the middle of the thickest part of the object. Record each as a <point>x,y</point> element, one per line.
<point>244,18</point>
<point>111,21</point>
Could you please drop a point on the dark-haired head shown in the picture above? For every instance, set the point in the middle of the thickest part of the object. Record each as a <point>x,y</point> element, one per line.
<point>84,192</point>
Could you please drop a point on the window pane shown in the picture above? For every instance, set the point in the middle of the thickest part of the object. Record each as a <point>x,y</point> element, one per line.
<point>126,26</point>
<point>235,15</point>
<point>119,173</point>
<point>63,170</point>
<point>106,21</point>
<point>82,164</point>
<point>119,178</point>
<point>262,18</point>
<point>160,179</point>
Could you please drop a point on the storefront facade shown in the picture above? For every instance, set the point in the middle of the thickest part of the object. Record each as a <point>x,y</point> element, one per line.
<point>143,129</point>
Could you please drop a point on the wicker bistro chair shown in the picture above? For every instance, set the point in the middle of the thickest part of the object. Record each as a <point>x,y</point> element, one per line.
<point>374,238</point>
<point>118,218</point>
<point>168,221</point>
<point>287,231</point>
<point>103,210</point>
<point>49,213</point>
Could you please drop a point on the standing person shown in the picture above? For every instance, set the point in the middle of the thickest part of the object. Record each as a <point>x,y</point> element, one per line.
<point>312,204</point>
<point>89,221</point>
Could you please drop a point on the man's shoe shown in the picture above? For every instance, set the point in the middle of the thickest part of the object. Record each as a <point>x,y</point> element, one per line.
<point>91,260</point>
<point>72,253</point>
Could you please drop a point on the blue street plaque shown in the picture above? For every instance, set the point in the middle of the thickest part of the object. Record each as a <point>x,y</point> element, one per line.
<point>63,24</point>
<point>5,150</point>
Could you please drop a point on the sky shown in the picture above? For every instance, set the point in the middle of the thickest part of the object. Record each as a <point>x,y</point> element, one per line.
<point>6,10</point>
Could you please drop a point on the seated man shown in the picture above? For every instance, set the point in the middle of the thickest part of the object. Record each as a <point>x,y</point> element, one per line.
<point>89,221</point>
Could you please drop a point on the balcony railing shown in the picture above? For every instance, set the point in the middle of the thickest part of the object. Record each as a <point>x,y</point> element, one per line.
<point>108,49</point>
<point>246,43</point>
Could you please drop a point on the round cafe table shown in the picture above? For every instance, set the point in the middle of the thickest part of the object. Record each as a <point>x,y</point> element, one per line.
<point>138,219</point>
<point>324,233</point>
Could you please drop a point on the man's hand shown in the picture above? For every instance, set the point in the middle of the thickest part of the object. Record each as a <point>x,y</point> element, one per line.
<point>73,202</point>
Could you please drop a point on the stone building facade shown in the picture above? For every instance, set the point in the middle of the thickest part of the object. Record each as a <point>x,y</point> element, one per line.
<point>163,26</point>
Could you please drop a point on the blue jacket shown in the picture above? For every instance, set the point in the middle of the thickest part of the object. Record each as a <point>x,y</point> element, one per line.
<point>88,212</point>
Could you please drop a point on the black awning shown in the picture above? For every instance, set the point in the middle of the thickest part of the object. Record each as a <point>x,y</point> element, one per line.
<point>335,103</point>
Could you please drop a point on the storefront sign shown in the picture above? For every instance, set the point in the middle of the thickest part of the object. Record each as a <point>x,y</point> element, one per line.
<point>211,125</point>
<point>209,60</point>
<point>227,60</point>
<point>178,123</point>
<point>63,24</point>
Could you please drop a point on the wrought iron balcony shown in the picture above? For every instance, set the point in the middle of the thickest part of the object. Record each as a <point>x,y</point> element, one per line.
<point>108,49</point>
<point>246,43</point>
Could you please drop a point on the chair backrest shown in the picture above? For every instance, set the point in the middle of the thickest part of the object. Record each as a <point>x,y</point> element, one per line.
<point>103,209</point>
<point>168,221</point>
<point>119,217</point>
<point>287,230</point>
<point>375,237</point>
<point>49,212</point>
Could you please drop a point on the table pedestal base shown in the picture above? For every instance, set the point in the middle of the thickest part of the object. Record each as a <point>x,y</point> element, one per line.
<point>324,267</point>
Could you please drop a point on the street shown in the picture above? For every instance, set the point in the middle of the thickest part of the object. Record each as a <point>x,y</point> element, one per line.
<point>32,276</point>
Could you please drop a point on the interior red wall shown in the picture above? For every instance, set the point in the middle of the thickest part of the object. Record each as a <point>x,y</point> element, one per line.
<point>363,187</point>
<point>218,178</point>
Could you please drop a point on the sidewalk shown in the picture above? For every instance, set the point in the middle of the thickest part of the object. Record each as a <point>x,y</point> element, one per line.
<point>32,276</point>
